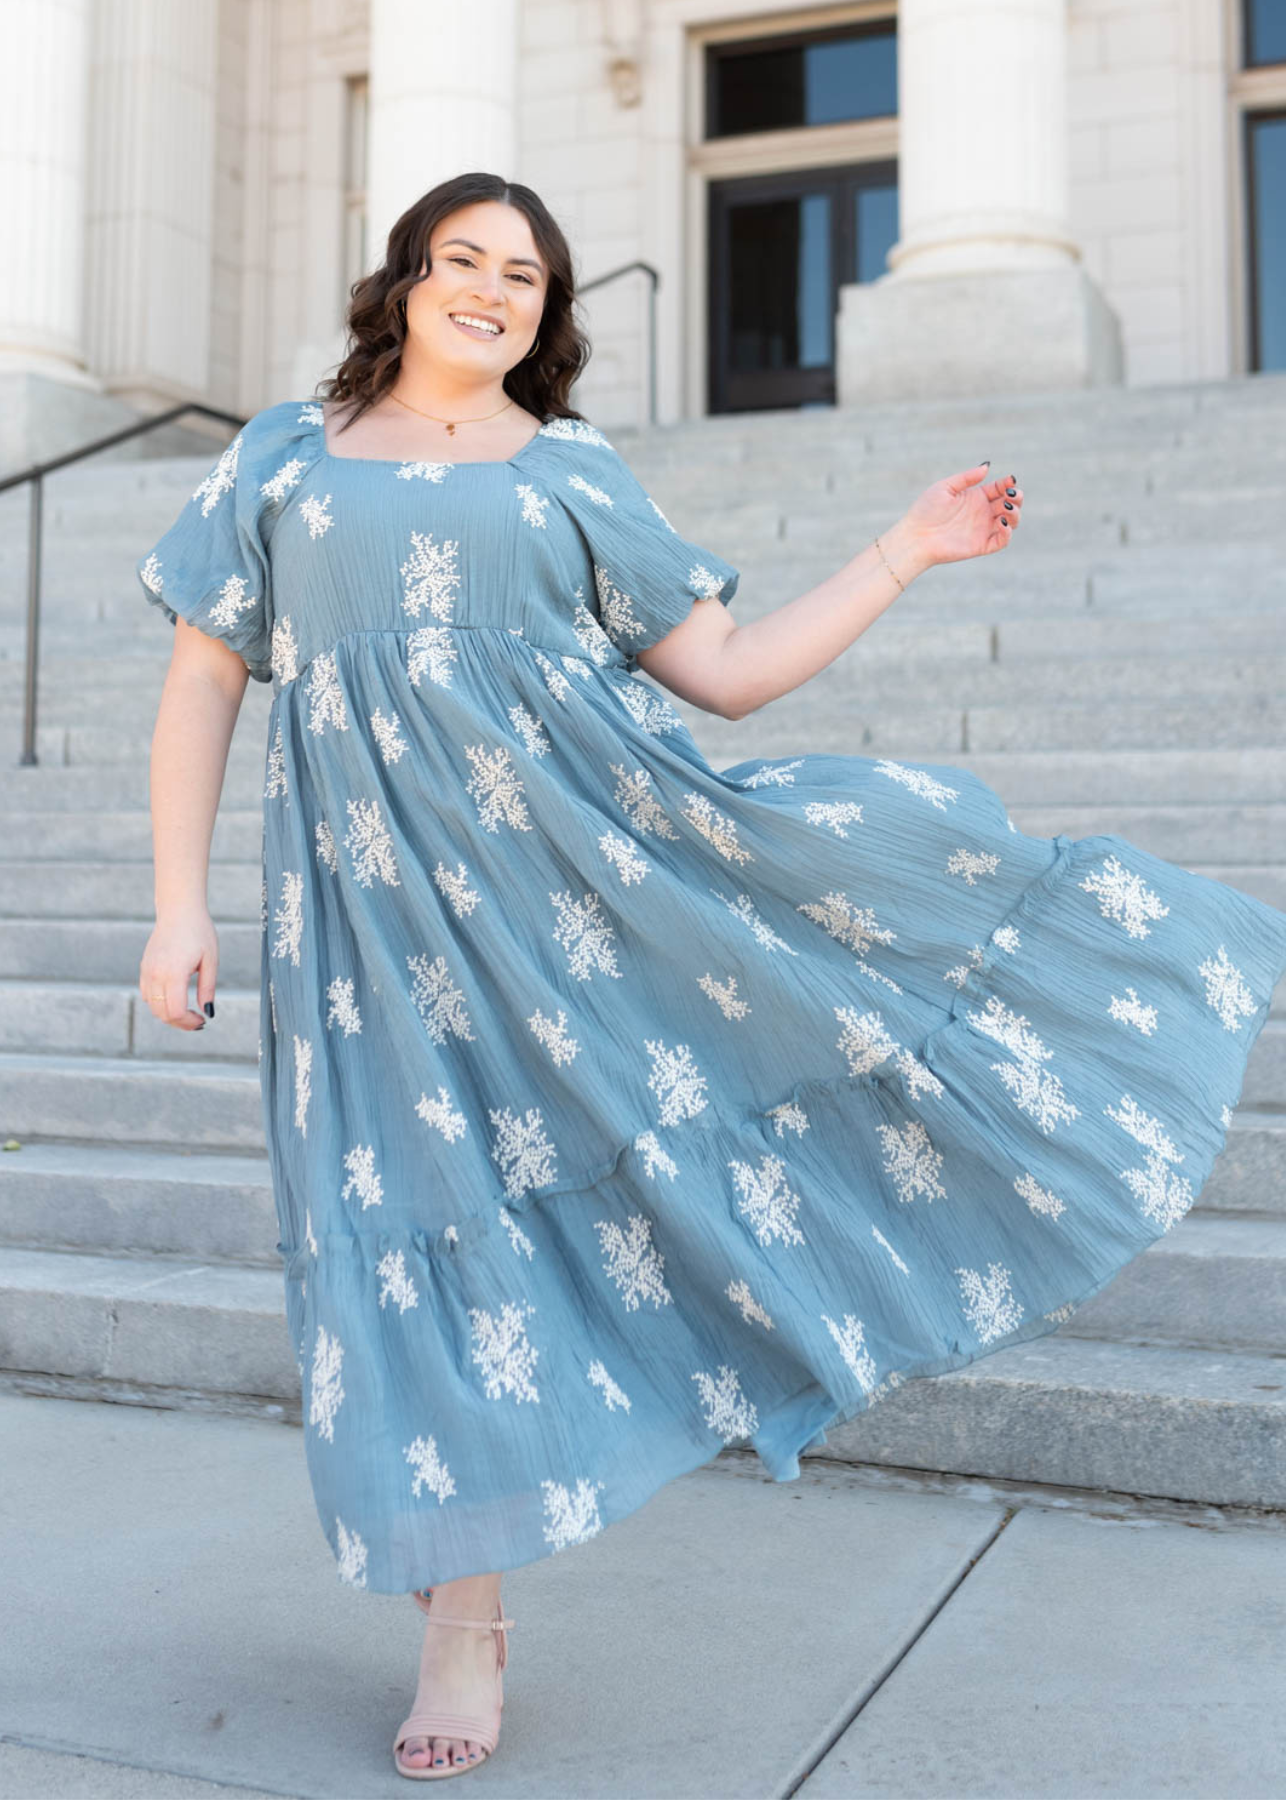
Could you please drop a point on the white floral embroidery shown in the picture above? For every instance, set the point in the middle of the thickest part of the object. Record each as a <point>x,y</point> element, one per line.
<point>555,680</point>
<point>614,608</point>
<point>724,994</point>
<point>303,1080</point>
<point>560,1046</point>
<point>852,926</point>
<point>919,781</point>
<point>779,774</point>
<point>728,1412</point>
<point>424,471</point>
<point>326,695</point>
<point>586,935</point>
<point>523,1151</point>
<point>310,414</point>
<point>1005,937</point>
<point>343,1006</point>
<point>623,854</point>
<point>635,797</point>
<point>740,1295</point>
<point>314,514</point>
<point>285,651</point>
<point>1124,896</point>
<point>654,1157</point>
<point>232,602</point>
<point>442,1115</point>
<point>880,1238</point>
<point>1163,1195</point>
<point>835,813</point>
<point>912,1161</point>
<point>716,827</point>
<point>385,732</point>
<point>1038,1092</point>
<point>677,1082</point>
<point>960,974</point>
<point>351,1559</point>
<point>789,1116</point>
<point>534,505</point>
<point>571,1518</point>
<point>614,1396</point>
<point>531,729</point>
<point>430,651</point>
<point>309,1239</point>
<point>150,574</point>
<point>439,1001</point>
<point>574,431</point>
<point>1226,990</point>
<point>362,1176</point>
<point>325,1389</point>
<point>1039,1199</point>
<point>369,845</point>
<point>326,849</point>
<point>496,788</point>
<point>591,637</point>
<point>1225,1116</point>
<point>850,1337</point>
<point>598,495</point>
<point>397,1285</point>
<point>430,1471</point>
<point>972,863</point>
<point>990,1306</point>
<point>767,1201</point>
<point>1132,1011</point>
<point>221,479</point>
<point>503,1352</point>
<point>649,709</point>
<point>430,576</point>
<point>519,1242</point>
<point>288,476</point>
<point>289,916</point>
<point>276,782</point>
<point>743,908</point>
<point>631,1261</point>
<point>455,885</point>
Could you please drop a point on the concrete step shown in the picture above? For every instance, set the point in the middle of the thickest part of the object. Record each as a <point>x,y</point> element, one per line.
<point>127,1200</point>
<point>194,1104</point>
<point>109,951</point>
<point>82,1018</point>
<point>117,890</point>
<point>124,836</point>
<point>1187,1424</point>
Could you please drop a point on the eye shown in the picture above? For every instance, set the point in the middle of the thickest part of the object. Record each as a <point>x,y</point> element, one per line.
<point>525,279</point>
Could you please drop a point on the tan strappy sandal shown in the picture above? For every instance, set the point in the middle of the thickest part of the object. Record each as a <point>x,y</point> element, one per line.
<point>484,1731</point>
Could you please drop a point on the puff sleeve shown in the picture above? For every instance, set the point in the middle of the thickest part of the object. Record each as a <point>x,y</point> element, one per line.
<point>212,565</point>
<point>646,575</point>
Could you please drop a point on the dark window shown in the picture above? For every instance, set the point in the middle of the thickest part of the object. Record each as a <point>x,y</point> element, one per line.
<point>1266,229</point>
<point>1264,32</point>
<point>814,78</point>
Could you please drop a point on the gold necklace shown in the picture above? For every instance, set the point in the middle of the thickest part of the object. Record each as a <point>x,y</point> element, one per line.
<point>449,423</point>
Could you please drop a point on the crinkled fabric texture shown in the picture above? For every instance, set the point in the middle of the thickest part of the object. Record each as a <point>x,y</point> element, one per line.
<point>618,1107</point>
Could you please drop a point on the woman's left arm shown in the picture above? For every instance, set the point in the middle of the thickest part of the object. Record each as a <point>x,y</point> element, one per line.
<point>734,669</point>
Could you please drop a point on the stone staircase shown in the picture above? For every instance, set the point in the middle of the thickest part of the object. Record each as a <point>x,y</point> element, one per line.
<point>1121,667</point>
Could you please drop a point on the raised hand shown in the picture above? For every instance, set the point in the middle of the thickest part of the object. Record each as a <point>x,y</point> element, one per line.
<point>963,515</point>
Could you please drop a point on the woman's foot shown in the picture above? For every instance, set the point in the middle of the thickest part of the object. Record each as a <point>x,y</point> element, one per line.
<point>460,1671</point>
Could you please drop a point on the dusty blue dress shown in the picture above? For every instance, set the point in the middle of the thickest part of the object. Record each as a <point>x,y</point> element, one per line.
<point>619,1107</point>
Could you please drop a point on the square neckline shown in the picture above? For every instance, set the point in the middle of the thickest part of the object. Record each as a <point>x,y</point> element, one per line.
<point>490,462</point>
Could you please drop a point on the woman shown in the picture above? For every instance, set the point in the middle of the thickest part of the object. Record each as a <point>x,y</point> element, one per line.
<point>619,1108</point>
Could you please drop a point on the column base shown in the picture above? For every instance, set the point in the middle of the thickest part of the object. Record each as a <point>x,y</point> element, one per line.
<point>990,333</point>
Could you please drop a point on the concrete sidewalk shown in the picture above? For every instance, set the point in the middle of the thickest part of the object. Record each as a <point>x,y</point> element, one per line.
<point>174,1628</point>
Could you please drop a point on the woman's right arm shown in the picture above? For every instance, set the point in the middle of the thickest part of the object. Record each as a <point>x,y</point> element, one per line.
<point>194,723</point>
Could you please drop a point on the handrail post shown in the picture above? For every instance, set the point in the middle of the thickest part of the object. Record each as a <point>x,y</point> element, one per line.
<point>34,516</point>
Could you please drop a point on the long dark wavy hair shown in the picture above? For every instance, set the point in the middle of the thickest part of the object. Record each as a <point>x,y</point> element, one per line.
<point>376,321</point>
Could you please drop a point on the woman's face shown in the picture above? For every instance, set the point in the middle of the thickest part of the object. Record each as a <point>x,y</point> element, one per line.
<point>483,261</point>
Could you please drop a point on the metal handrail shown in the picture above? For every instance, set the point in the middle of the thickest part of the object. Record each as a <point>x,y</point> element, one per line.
<point>654,279</point>
<point>35,475</point>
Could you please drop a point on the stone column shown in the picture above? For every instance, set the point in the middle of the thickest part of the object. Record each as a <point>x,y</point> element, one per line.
<point>986,292</point>
<point>443,100</point>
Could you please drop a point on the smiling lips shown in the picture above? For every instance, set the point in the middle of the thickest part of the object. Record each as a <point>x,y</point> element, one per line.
<point>477,331</point>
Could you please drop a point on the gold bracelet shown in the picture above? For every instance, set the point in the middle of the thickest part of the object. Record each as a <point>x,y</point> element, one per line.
<point>887,564</point>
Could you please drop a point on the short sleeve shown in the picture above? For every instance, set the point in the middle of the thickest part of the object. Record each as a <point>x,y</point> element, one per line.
<point>212,565</point>
<point>646,574</point>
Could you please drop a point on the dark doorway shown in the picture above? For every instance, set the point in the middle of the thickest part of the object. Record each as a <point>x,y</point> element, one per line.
<point>779,248</point>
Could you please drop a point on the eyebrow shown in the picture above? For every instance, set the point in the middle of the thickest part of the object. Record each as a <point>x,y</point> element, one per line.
<point>481,252</point>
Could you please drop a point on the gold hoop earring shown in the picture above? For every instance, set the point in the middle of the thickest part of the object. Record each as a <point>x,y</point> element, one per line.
<point>533,350</point>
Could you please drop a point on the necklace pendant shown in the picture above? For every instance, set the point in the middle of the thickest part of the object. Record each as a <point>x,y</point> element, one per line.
<point>450,430</point>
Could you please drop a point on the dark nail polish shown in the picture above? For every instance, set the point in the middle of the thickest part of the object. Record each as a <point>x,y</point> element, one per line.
<point>986,464</point>
<point>1011,492</point>
<point>198,1028</point>
<point>1009,506</point>
<point>209,1009</point>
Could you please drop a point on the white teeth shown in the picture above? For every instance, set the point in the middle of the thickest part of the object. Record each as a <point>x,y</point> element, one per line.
<point>480,324</point>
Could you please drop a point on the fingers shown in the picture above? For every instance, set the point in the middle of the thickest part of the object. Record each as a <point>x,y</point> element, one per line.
<point>166,997</point>
<point>1009,506</point>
